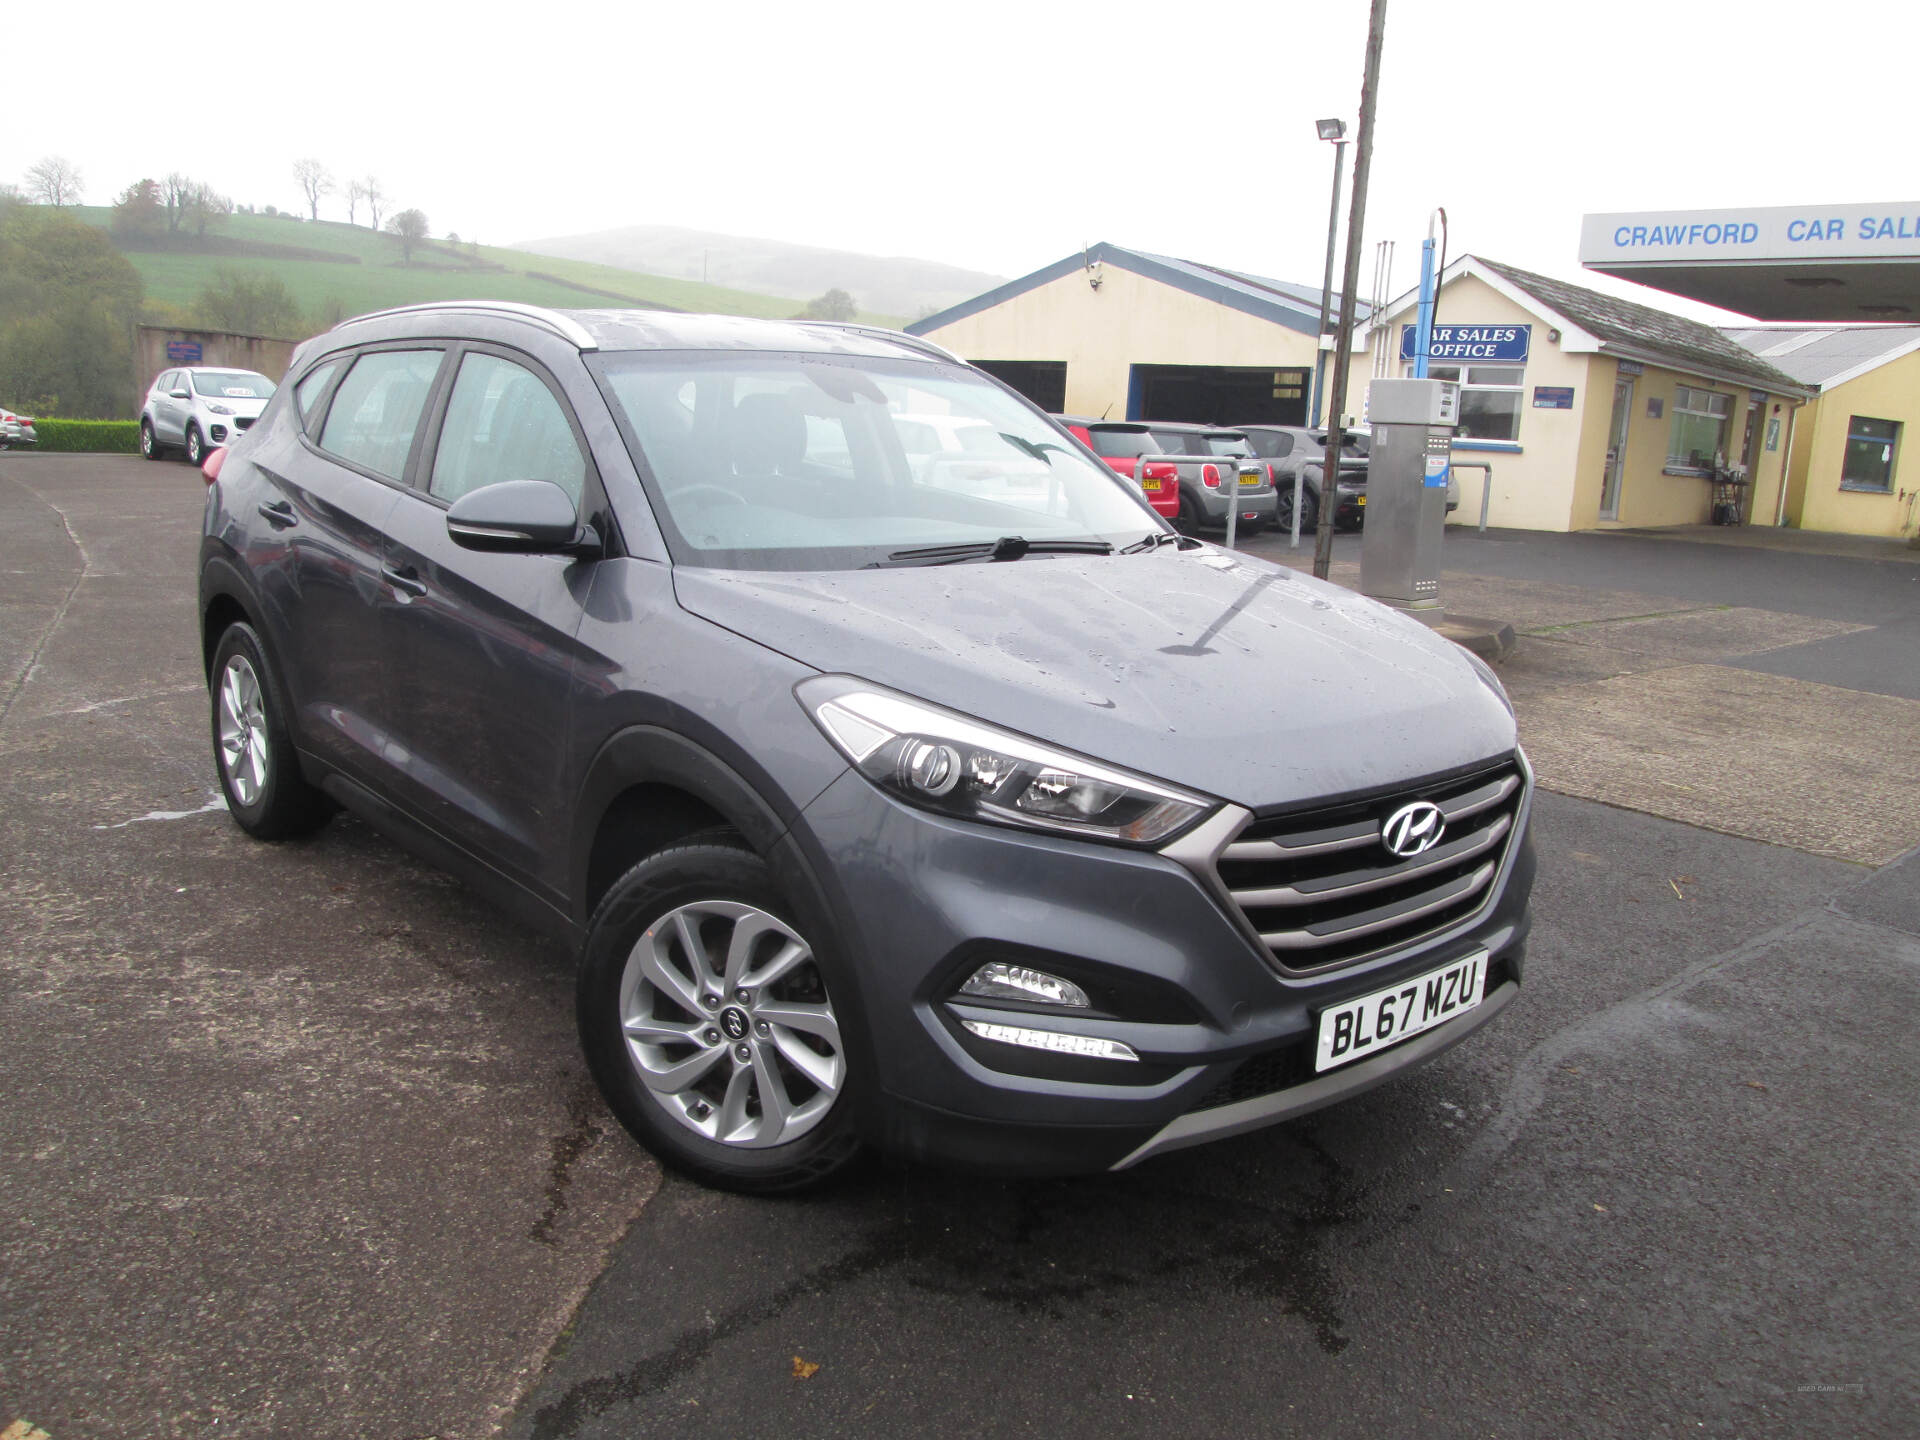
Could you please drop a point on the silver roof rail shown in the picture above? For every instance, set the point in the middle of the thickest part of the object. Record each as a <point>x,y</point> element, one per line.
<point>565,326</point>
<point>898,337</point>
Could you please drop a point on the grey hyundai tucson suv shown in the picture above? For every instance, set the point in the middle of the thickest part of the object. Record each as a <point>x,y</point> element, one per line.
<point>961,811</point>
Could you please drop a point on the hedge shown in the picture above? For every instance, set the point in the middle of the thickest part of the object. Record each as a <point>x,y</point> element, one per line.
<point>117,437</point>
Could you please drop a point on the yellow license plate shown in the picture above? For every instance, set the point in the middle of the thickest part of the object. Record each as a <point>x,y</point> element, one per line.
<point>1249,479</point>
<point>1361,501</point>
<point>1153,485</point>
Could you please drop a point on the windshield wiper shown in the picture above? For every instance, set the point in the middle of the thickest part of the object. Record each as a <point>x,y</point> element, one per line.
<point>1036,449</point>
<point>1155,539</point>
<point>1007,547</point>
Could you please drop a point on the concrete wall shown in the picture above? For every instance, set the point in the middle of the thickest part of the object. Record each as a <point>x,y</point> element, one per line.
<point>1128,321</point>
<point>1891,392</point>
<point>243,352</point>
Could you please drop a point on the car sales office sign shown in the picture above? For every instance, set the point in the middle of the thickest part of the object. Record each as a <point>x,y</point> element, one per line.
<point>1506,343</point>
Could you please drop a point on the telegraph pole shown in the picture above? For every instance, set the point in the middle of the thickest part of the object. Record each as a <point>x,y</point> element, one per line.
<point>1343,335</point>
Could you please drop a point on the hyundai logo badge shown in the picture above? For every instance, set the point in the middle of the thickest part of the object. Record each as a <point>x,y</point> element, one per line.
<point>1413,829</point>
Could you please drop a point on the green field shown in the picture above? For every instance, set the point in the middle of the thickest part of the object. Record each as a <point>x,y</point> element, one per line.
<point>369,275</point>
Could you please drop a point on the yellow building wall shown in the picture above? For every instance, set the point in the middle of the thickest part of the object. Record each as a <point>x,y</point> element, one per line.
<point>1891,392</point>
<point>1130,320</point>
<point>1533,487</point>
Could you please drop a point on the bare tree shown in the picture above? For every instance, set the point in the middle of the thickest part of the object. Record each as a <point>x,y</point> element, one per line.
<point>409,227</point>
<point>314,182</point>
<point>173,197</point>
<point>375,197</point>
<point>356,192</point>
<point>56,181</point>
<point>204,206</point>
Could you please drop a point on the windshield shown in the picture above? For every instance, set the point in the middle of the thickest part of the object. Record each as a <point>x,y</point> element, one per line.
<point>233,384</point>
<point>1122,444</point>
<point>1352,442</point>
<point>825,462</point>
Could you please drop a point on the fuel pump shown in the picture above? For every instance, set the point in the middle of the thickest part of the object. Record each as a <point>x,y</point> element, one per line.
<point>1407,470</point>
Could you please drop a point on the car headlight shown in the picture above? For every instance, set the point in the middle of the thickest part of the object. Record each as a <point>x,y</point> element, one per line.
<point>219,409</point>
<point>948,763</point>
<point>1492,681</point>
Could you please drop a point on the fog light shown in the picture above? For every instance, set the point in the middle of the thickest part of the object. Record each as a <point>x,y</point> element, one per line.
<point>1015,982</point>
<point>1090,1046</point>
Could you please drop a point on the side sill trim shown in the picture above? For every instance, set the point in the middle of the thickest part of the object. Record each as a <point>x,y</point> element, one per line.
<point>1262,1110</point>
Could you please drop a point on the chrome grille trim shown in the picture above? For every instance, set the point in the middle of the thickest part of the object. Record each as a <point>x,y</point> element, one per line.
<point>1367,832</point>
<point>1389,915</point>
<point>1435,859</point>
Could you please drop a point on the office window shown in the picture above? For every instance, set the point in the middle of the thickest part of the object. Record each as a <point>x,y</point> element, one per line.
<point>1699,428</point>
<point>1491,398</point>
<point>1870,450</point>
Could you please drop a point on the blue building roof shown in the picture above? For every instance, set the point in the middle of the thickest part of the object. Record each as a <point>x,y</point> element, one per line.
<point>1295,306</point>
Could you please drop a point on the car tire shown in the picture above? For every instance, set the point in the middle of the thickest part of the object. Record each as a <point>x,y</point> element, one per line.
<point>1283,508</point>
<point>705,1076</point>
<point>252,748</point>
<point>149,442</point>
<point>1187,522</point>
<point>196,447</point>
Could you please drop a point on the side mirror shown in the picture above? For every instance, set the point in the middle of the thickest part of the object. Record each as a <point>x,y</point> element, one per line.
<point>521,517</point>
<point>178,395</point>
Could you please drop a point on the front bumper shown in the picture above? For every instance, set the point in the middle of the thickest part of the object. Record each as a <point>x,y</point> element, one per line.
<point>1224,1039</point>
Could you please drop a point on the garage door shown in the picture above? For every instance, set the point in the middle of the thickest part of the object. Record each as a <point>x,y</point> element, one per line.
<point>1218,394</point>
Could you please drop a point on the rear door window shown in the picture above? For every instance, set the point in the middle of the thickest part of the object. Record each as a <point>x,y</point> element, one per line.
<point>375,412</point>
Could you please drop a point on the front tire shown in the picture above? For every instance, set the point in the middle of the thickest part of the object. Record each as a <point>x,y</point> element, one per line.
<point>196,447</point>
<point>260,774</point>
<point>149,442</point>
<point>706,1020</point>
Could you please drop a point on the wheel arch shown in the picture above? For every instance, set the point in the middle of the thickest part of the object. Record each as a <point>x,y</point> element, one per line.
<point>646,788</point>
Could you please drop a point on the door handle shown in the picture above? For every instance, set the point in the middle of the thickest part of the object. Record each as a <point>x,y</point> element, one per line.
<point>278,513</point>
<point>407,580</point>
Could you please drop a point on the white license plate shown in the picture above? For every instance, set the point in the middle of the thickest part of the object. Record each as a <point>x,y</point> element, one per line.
<point>1364,1027</point>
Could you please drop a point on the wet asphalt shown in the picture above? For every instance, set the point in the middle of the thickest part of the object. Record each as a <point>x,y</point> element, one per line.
<point>294,1140</point>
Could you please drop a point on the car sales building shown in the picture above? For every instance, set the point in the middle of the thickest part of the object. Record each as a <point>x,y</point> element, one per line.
<point>1590,411</point>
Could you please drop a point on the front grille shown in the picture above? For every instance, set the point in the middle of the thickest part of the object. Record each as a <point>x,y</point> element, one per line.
<point>1320,888</point>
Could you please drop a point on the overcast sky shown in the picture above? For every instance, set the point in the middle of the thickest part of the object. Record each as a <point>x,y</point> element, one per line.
<point>995,136</point>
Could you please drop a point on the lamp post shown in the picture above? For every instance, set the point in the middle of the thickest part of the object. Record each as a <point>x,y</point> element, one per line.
<point>1334,131</point>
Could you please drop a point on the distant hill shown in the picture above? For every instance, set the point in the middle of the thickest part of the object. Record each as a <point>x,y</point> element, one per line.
<point>894,285</point>
<point>331,266</point>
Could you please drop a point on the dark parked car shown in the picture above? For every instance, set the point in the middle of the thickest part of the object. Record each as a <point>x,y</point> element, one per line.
<point>1295,450</point>
<point>1097,843</point>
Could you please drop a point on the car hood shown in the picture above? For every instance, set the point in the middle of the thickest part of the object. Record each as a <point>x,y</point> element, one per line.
<point>1221,673</point>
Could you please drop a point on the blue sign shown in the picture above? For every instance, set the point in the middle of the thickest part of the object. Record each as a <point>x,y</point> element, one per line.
<point>1435,477</point>
<point>183,352</point>
<point>1505,343</point>
<point>1553,397</point>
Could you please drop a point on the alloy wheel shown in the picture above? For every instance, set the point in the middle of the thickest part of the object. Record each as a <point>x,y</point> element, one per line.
<point>243,730</point>
<point>728,1024</point>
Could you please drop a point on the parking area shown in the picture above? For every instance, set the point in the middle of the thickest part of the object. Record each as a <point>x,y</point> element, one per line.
<point>296,1140</point>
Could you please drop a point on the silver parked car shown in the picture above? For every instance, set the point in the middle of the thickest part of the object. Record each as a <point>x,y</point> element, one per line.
<point>200,407</point>
<point>16,430</point>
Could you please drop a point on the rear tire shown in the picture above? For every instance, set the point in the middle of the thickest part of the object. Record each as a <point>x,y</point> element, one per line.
<point>1283,508</point>
<point>252,749</point>
<point>1187,522</point>
<point>706,1020</point>
<point>196,447</point>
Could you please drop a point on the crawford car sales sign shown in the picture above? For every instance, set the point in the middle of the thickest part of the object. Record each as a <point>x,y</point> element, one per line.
<point>1472,342</point>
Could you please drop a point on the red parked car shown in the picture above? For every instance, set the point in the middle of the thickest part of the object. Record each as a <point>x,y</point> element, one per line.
<point>1122,443</point>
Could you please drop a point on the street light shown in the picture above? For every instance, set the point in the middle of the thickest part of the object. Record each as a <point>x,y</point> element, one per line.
<point>1336,132</point>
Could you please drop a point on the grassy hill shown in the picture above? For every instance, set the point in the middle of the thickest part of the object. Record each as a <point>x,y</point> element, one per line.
<point>328,265</point>
<point>897,284</point>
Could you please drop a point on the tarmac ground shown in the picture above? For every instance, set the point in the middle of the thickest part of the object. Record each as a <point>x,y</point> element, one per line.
<point>296,1140</point>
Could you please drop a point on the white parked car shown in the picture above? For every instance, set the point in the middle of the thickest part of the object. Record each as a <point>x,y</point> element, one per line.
<point>200,407</point>
<point>15,430</point>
